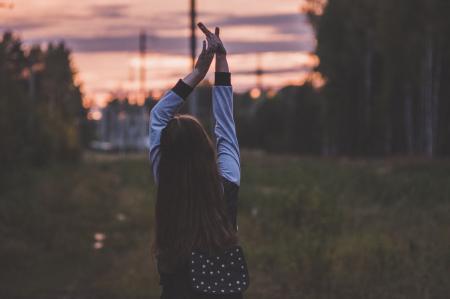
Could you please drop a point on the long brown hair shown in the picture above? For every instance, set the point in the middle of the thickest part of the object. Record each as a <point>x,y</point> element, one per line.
<point>190,206</point>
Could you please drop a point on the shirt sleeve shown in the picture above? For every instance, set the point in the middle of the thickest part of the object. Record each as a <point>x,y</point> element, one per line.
<point>228,154</point>
<point>231,191</point>
<point>160,116</point>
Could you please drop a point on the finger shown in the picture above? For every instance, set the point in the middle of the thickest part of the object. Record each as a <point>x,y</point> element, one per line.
<point>212,50</point>
<point>210,46</point>
<point>205,48</point>
<point>214,41</point>
<point>211,42</point>
<point>209,56</point>
<point>209,51</point>
<point>217,31</point>
<point>204,29</point>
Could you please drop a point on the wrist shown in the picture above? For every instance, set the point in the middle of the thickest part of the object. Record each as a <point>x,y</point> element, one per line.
<point>199,74</point>
<point>182,89</point>
<point>221,64</point>
<point>194,78</point>
<point>222,79</point>
<point>196,73</point>
<point>221,55</point>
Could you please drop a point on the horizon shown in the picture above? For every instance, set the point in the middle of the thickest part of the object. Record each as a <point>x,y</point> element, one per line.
<point>103,36</point>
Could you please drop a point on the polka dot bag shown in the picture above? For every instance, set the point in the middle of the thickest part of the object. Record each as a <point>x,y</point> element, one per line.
<point>221,274</point>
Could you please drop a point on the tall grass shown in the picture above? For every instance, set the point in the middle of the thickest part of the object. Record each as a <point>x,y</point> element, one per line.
<point>312,228</point>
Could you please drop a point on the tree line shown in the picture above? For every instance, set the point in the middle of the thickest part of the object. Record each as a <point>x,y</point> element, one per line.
<point>386,66</point>
<point>40,104</point>
<point>385,63</point>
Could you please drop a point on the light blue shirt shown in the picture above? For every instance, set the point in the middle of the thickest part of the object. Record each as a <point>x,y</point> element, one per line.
<point>228,155</point>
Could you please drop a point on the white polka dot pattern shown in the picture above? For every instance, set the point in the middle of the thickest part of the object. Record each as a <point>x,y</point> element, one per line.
<point>227,275</point>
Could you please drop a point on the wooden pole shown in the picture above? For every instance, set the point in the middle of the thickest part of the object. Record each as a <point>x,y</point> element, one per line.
<point>193,103</point>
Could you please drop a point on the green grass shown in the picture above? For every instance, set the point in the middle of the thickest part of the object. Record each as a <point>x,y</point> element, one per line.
<point>311,228</point>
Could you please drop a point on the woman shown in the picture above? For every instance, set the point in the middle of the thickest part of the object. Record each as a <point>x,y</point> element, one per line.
<point>197,181</point>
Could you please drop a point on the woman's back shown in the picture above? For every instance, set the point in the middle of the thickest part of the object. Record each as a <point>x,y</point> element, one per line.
<point>175,282</point>
<point>198,181</point>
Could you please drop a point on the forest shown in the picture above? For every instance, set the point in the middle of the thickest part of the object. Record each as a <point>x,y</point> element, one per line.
<point>386,65</point>
<point>41,112</point>
<point>385,94</point>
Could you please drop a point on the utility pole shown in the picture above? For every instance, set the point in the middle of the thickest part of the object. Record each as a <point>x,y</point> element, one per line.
<point>143,66</point>
<point>193,104</point>
<point>259,72</point>
<point>193,37</point>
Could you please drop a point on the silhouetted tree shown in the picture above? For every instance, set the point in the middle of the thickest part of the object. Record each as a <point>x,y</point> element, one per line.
<point>40,104</point>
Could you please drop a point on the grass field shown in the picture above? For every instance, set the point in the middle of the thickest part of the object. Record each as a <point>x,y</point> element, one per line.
<point>311,228</point>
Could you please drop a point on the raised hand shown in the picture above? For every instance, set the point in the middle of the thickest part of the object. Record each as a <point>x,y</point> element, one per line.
<point>205,59</point>
<point>220,49</point>
<point>201,67</point>
<point>216,43</point>
<point>213,39</point>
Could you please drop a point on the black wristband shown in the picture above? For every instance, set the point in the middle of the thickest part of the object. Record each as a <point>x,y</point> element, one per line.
<point>182,89</point>
<point>222,79</point>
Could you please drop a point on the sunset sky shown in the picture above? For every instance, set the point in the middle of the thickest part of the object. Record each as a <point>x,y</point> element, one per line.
<point>103,35</point>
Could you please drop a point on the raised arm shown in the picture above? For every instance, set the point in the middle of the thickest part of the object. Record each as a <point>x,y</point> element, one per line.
<point>170,103</point>
<point>225,131</point>
<point>160,115</point>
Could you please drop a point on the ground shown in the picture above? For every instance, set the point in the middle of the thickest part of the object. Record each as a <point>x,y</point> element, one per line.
<point>311,228</point>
